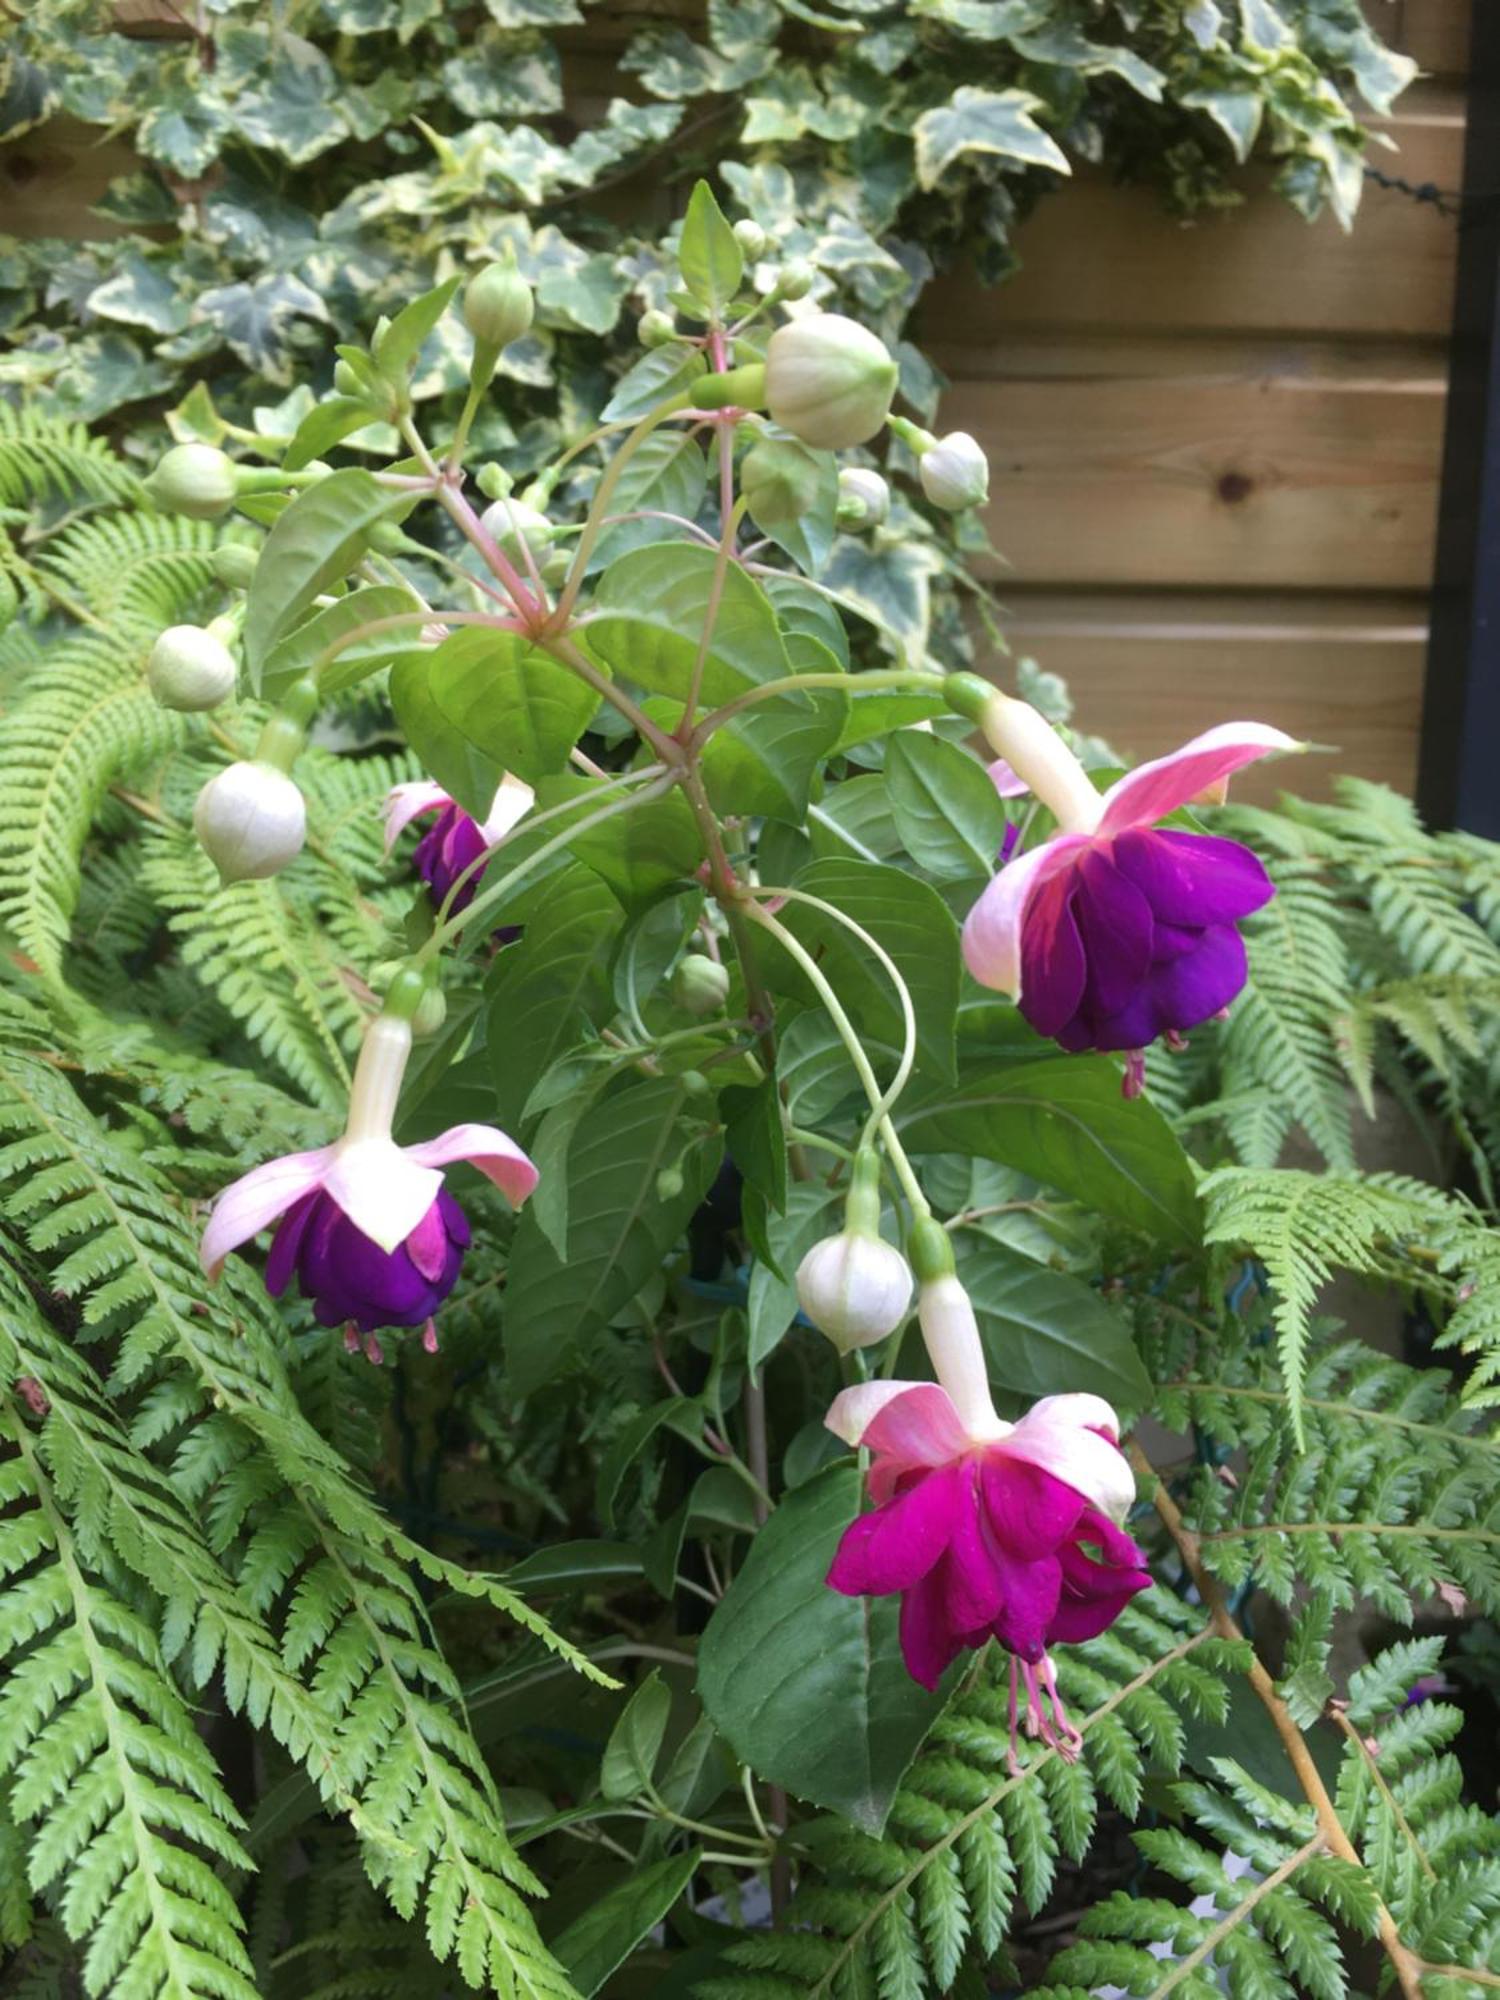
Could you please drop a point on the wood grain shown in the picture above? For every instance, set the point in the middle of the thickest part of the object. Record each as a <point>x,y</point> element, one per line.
<point>1149,671</point>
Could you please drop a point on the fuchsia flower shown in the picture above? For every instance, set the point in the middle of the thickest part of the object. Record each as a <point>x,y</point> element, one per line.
<point>1116,931</point>
<point>988,1530</point>
<point>374,1237</point>
<point>454,841</point>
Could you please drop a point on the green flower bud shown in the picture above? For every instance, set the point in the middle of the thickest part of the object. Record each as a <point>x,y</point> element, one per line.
<point>700,985</point>
<point>656,328</point>
<point>498,305</point>
<point>251,821</point>
<point>190,668</point>
<point>194,479</point>
<point>829,380</point>
<point>955,473</point>
<point>431,1013</point>
<point>695,1083</point>
<point>669,1184</point>
<point>797,278</point>
<point>234,565</point>
<point>751,238</point>
<point>864,498</point>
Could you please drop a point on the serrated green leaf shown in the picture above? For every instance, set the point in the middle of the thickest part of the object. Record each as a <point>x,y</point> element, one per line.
<point>312,547</point>
<point>520,708</point>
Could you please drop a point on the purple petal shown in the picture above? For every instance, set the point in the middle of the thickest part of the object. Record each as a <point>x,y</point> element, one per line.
<point>1026,1616</point>
<point>1029,1511</point>
<point>1053,966</point>
<point>1193,988</point>
<point>1114,922</point>
<point>1193,878</point>
<point>1095,1593</point>
<point>929,1644</point>
<point>287,1241</point>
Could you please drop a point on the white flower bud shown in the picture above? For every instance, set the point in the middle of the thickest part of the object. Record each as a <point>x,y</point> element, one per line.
<point>251,821</point>
<point>854,1288</point>
<point>864,498</point>
<point>194,479</point>
<point>751,238</point>
<point>955,473</point>
<point>656,328</point>
<point>829,380</point>
<point>511,522</point>
<point>498,304</point>
<point>190,668</point>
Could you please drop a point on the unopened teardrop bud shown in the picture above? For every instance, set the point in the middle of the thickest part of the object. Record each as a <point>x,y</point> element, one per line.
<point>700,985</point>
<point>854,1287</point>
<point>955,473</point>
<point>797,279</point>
<point>656,328</point>
<point>498,305</point>
<point>190,668</point>
<point>864,498</point>
<point>751,238</point>
<point>234,565</point>
<point>251,821</point>
<point>197,480</point>
<point>669,1184</point>
<point>829,380</point>
<point>512,522</point>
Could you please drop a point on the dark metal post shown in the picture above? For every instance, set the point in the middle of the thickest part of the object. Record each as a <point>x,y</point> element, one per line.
<point>1458,783</point>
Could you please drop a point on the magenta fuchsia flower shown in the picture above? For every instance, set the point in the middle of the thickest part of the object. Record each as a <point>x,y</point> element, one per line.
<point>988,1530</point>
<point>373,1236</point>
<point>454,842</point>
<point>1116,931</point>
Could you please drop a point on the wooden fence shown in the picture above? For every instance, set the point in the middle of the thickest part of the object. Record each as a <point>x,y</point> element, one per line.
<point>1216,448</point>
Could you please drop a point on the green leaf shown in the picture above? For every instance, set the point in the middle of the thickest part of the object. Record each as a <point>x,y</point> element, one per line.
<point>464,772</point>
<point>397,348</point>
<point>709,254</point>
<point>594,1944</point>
<point>335,417</point>
<point>312,547</point>
<point>518,706</point>
<point>995,122</point>
<point>574,1566</point>
<point>660,374</point>
<point>650,610</point>
<point>763,761</point>
<point>635,1741</point>
<point>300,650</point>
<point>808,1687</point>
<point>1064,1122</point>
<point>911,921</point>
<point>619,1227</point>
<point>753,1129</point>
<point>628,1446</point>
<point>666,475</point>
<point>638,853</point>
<point>1045,1333</point>
<point>946,808</point>
<point>542,989</point>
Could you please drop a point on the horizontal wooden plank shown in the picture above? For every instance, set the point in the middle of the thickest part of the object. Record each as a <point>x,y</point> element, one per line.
<point>50,178</point>
<point>1435,33</point>
<point>1148,671</point>
<point>1275,479</point>
<point>1097,255</point>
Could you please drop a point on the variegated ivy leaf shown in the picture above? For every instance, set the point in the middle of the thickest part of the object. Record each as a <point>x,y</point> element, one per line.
<point>295,110</point>
<point>255,318</point>
<point>184,131</point>
<point>994,122</point>
<point>142,293</point>
<point>888,579</point>
<point>504,76</point>
<point>986,20</point>
<point>534,13</point>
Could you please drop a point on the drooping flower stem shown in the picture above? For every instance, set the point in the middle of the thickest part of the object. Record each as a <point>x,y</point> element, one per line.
<point>915,679</point>
<point>1033,749</point>
<point>603,494</point>
<point>378,1072</point>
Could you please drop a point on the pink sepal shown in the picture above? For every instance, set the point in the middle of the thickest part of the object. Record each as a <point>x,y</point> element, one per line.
<point>992,929</point>
<point>512,802</point>
<point>248,1204</point>
<point>1005,781</point>
<point>496,1155</point>
<point>404,803</point>
<point>383,1189</point>
<point>1073,1439</point>
<point>1152,791</point>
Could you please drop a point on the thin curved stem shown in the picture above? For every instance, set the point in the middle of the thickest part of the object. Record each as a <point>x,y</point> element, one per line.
<point>899,1081</point>
<point>880,677</point>
<point>724,553</point>
<point>603,494</point>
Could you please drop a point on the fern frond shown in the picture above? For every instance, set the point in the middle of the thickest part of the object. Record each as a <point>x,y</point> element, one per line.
<point>967,1841</point>
<point>131,1819</point>
<point>43,455</point>
<point>134,572</point>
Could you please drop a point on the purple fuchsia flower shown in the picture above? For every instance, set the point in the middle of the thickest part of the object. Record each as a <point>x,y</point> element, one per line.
<point>988,1530</point>
<point>373,1236</point>
<point>449,848</point>
<point>1115,930</point>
